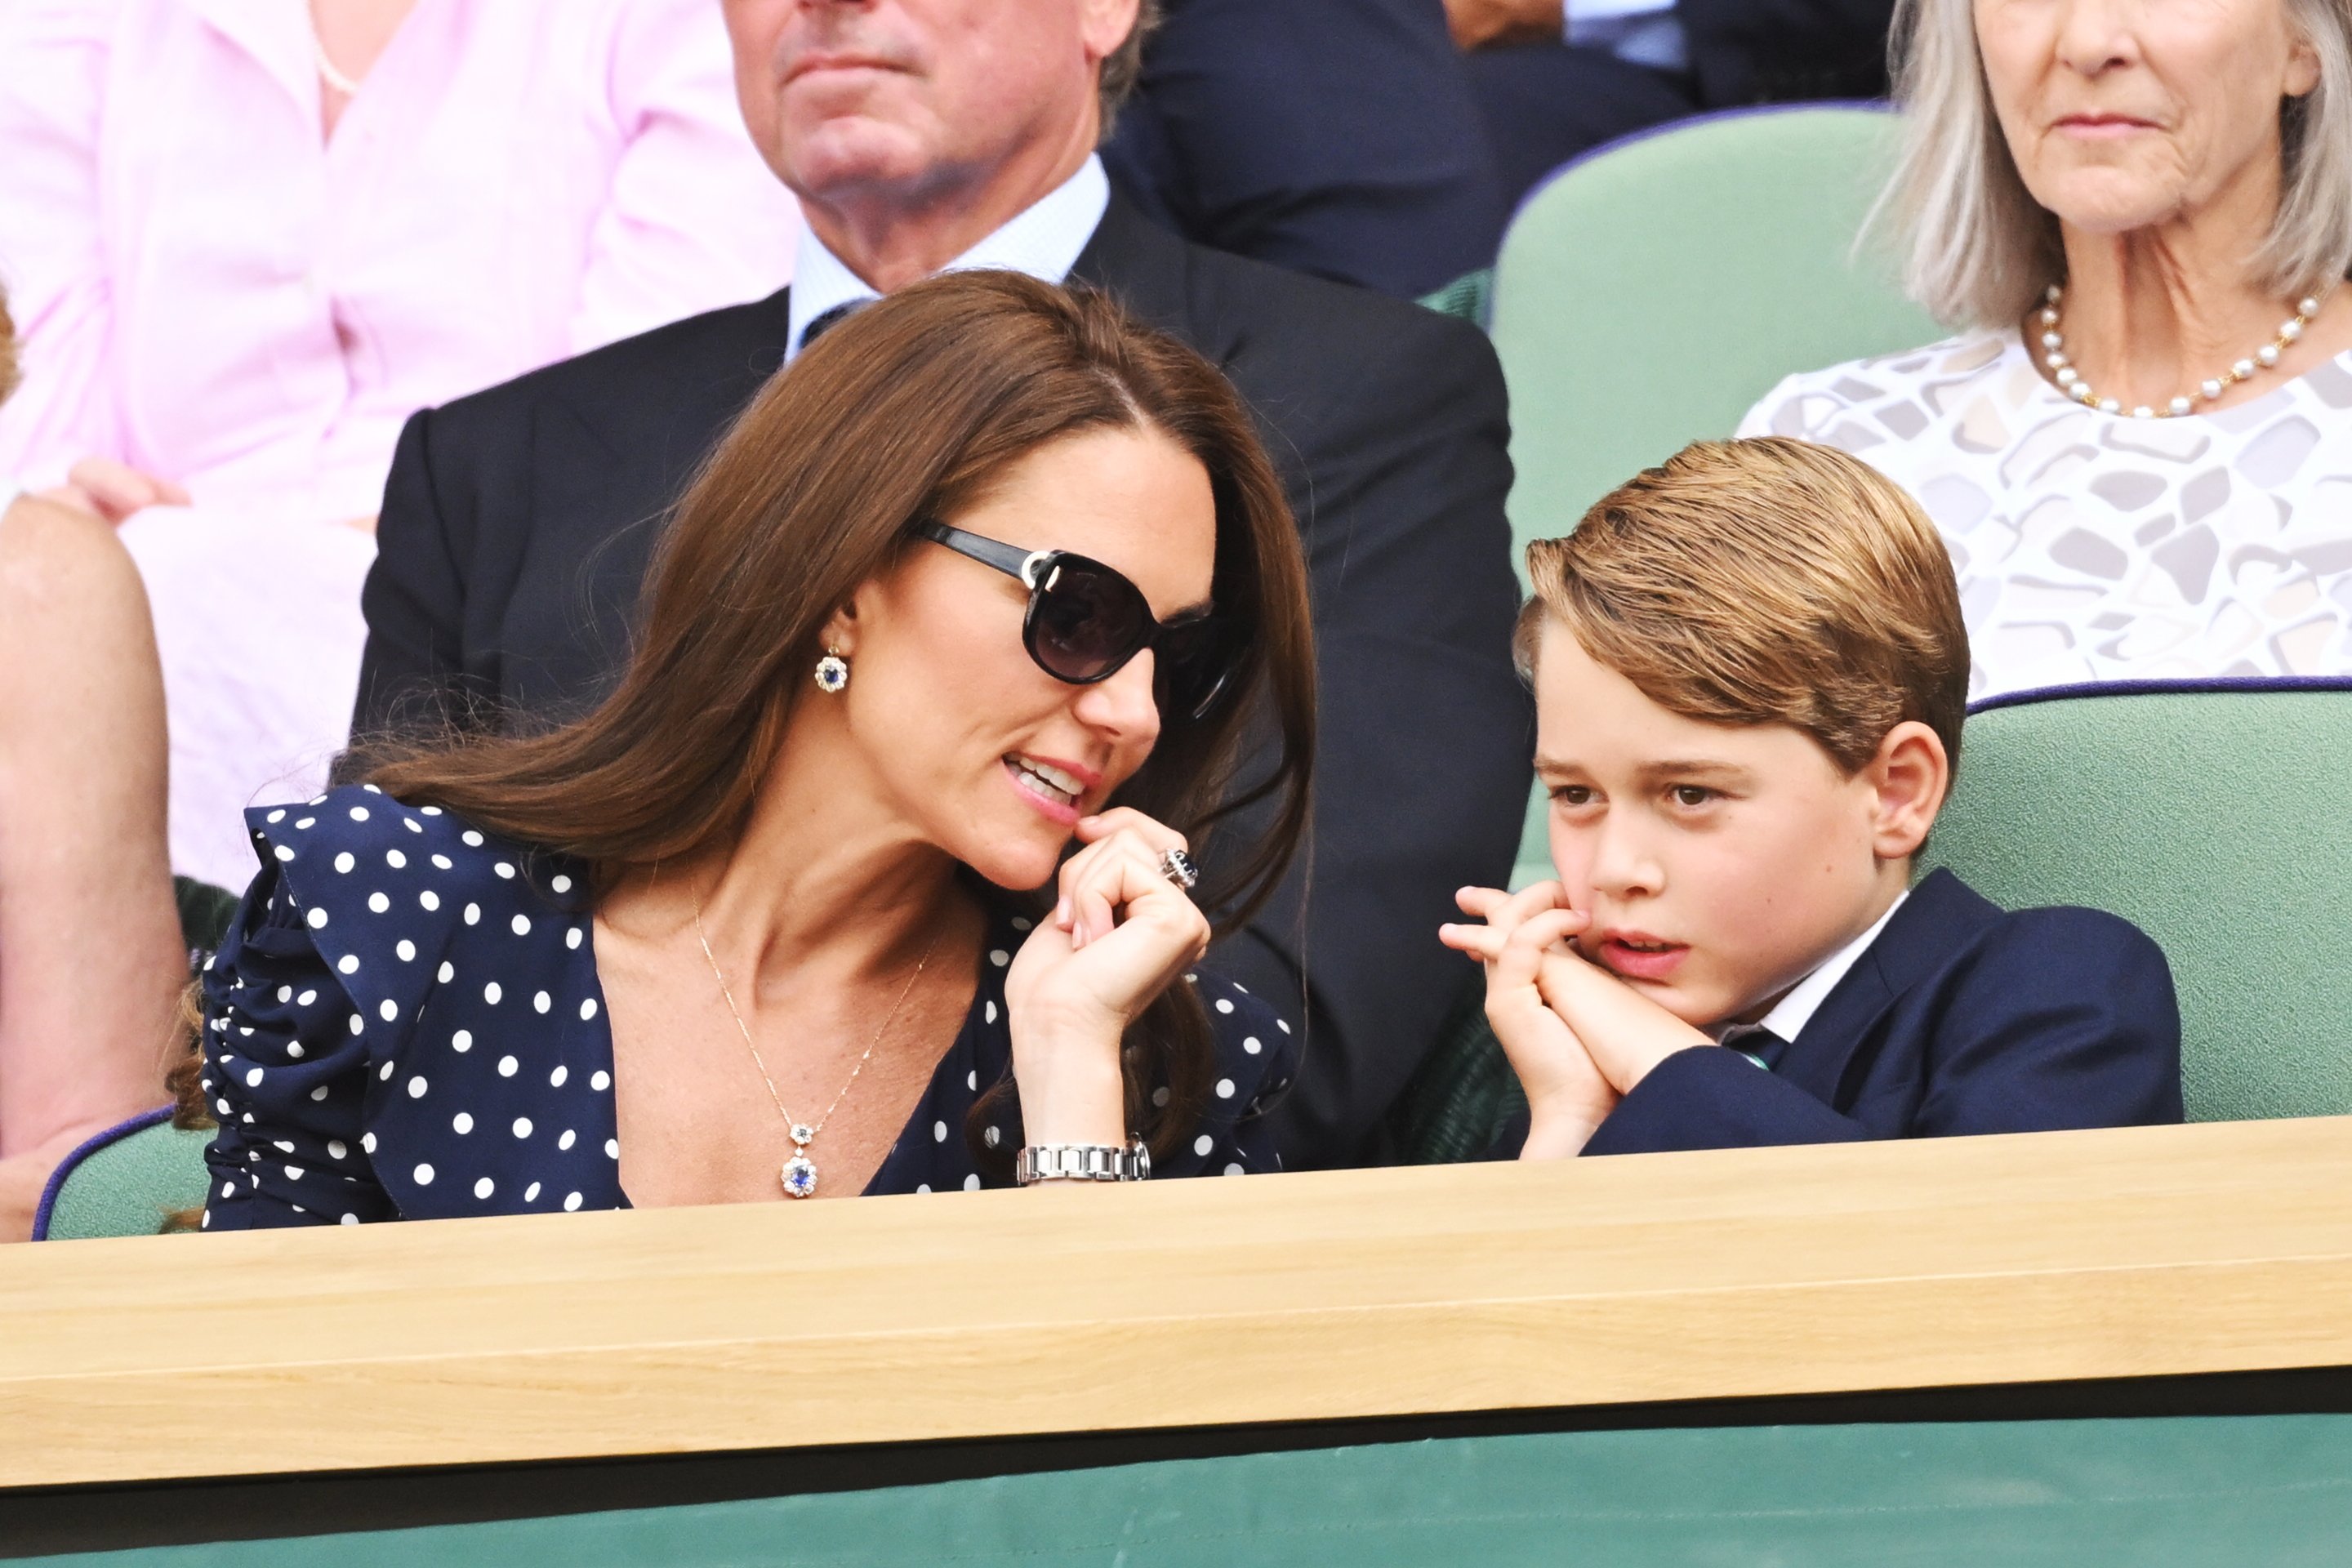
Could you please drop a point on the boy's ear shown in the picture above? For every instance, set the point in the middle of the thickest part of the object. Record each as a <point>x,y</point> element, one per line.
<point>1909,775</point>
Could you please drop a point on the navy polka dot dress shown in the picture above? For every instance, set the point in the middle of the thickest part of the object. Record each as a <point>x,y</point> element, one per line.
<point>404,1023</point>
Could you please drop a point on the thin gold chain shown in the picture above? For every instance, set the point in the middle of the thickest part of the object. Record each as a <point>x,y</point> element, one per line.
<point>892,1017</point>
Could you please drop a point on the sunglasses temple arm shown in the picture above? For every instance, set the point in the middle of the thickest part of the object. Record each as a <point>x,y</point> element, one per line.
<point>1008,559</point>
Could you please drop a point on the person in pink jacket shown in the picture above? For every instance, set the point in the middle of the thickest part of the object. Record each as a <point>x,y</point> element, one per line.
<point>244,241</point>
<point>92,965</point>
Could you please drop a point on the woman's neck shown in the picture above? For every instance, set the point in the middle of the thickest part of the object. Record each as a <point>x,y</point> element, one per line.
<point>827,884</point>
<point>2150,314</point>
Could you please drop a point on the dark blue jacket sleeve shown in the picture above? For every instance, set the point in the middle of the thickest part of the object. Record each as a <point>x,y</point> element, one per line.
<point>2068,1019</point>
<point>2059,1018</point>
<point>1710,1098</point>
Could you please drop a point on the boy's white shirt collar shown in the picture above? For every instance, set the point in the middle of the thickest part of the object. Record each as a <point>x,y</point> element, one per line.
<point>1044,240</point>
<point>1794,1010</point>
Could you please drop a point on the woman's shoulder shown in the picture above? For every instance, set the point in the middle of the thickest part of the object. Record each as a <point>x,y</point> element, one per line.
<point>368,872</point>
<point>358,838</point>
<point>1812,405</point>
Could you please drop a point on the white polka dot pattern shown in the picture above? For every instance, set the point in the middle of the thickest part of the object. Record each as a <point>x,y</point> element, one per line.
<point>341,1025</point>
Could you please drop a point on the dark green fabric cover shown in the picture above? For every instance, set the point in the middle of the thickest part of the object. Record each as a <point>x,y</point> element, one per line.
<point>1469,297</point>
<point>1463,1091</point>
<point>204,913</point>
<point>2219,823</point>
<point>2156,1493</point>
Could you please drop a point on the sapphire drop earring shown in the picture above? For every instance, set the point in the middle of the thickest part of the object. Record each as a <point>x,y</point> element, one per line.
<point>832,671</point>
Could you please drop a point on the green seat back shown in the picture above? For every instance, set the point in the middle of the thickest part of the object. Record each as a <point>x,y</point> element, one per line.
<point>1650,293</point>
<point>2212,816</point>
<point>130,1185</point>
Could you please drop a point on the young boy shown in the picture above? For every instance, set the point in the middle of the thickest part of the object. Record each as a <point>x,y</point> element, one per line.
<point>1751,672</point>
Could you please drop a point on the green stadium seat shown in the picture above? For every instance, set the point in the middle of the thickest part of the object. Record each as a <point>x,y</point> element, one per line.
<point>130,1180</point>
<point>1651,291</point>
<point>2212,815</point>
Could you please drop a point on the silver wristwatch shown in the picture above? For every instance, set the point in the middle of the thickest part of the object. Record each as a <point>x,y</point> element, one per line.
<point>1083,1163</point>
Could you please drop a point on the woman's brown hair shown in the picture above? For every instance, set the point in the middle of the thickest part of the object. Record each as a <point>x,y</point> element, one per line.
<point>7,349</point>
<point>912,408</point>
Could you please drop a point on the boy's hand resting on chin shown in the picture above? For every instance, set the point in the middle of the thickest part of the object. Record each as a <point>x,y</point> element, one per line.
<point>1578,1037</point>
<point>1568,1096</point>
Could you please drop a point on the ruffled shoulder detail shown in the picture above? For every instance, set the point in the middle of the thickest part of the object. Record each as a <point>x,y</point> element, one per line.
<point>387,891</point>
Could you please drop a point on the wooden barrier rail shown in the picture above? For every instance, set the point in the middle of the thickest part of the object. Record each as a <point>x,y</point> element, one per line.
<point>1963,1261</point>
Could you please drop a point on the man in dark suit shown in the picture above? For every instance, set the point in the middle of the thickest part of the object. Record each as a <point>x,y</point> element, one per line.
<point>1337,137</point>
<point>1555,77</point>
<point>920,134</point>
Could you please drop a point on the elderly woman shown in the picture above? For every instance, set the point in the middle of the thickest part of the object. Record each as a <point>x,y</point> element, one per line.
<point>91,962</point>
<point>2140,451</point>
<point>986,570</point>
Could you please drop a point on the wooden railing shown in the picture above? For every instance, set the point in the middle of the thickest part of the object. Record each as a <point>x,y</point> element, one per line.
<point>1966,1261</point>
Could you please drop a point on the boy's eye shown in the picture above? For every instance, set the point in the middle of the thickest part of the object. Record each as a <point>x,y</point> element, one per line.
<point>1574,794</point>
<point>1693,795</point>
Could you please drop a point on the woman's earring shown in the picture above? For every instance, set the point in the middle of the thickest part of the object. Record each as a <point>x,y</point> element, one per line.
<point>832,671</point>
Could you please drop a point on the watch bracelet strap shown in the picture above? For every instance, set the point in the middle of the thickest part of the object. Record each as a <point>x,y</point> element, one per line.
<point>1082,1162</point>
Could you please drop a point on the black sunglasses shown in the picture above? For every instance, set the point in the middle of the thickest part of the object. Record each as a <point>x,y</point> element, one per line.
<point>1086,620</point>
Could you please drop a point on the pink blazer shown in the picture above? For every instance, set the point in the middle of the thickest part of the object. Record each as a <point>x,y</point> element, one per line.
<point>208,293</point>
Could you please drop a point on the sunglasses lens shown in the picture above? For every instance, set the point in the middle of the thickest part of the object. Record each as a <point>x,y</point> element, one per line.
<point>1192,669</point>
<point>1088,621</point>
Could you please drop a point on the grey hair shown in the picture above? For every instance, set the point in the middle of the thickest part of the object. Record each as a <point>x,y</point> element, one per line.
<point>1978,249</point>
<point>1123,66</point>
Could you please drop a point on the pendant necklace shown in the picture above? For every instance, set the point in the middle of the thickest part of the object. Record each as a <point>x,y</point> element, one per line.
<point>799,1172</point>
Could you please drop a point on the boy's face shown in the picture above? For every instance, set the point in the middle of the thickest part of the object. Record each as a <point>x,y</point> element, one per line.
<point>1720,864</point>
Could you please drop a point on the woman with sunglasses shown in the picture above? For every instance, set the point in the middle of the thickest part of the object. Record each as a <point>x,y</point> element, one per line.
<point>794,911</point>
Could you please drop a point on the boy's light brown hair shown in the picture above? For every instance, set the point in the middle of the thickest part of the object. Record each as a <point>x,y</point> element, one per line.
<point>1765,582</point>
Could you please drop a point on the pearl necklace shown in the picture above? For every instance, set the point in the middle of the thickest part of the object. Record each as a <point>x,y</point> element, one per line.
<point>2071,380</point>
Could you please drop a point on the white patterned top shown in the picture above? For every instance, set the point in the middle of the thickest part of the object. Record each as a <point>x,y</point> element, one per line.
<point>2099,547</point>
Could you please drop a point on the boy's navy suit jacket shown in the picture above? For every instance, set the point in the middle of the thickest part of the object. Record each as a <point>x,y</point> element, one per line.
<point>1960,1018</point>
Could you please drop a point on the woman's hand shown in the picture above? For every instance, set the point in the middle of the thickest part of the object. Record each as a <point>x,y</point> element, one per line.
<point>1120,933</point>
<point>1567,1095</point>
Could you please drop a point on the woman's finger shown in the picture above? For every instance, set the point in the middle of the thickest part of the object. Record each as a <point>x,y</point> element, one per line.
<point>1105,877</point>
<point>1157,835</point>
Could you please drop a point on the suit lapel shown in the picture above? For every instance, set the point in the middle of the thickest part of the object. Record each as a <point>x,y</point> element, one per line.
<point>593,468</point>
<point>1144,267</point>
<point>1940,913</point>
